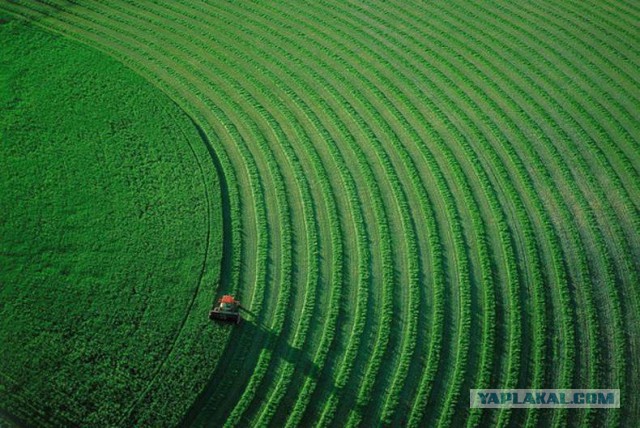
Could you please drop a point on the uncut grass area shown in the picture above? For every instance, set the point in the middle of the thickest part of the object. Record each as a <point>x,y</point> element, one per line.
<point>110,240</point>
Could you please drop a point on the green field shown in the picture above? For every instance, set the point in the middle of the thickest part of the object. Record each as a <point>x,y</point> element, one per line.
<point>410,199</point>
<point>110,239</point>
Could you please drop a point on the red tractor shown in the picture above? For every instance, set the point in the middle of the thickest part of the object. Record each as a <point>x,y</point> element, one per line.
<point>228,309</point>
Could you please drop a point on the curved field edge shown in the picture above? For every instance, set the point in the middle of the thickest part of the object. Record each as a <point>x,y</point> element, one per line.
<point>111,244</point>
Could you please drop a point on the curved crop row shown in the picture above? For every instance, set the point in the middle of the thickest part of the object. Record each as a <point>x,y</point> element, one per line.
<point>577,159</point>
<point>531,251</point>
<point>589,132</point>
<point>363,268</point>
<point>596,359</point>
<point>379,210</point>
<point>312,277</point>
<point>623,247</point>
<point>405,210</point>
<point>486,264</point>
<point>338,258</point>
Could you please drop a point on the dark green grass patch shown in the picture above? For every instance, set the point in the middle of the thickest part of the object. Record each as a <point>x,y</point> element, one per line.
<point>110,240</point>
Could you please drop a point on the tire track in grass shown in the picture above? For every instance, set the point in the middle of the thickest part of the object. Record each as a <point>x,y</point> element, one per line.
<point>195,293</point>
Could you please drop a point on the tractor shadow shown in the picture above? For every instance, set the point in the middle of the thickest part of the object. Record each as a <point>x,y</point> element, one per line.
<point>296,356</point>
<point>243,362</point>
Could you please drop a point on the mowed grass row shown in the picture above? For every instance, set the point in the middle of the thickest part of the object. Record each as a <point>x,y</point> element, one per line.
<point>372,377</point>
<point>522,219</point>
<point>359,78</point>
<point>347,136</point>
<point>537,346</point>
<point>613,220</point>
<point>596,236</point>
<point>405,62</point>
<point>457,190</point>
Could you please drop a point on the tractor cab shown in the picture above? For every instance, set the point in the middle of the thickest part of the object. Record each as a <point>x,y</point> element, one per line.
<point>228,309</point>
